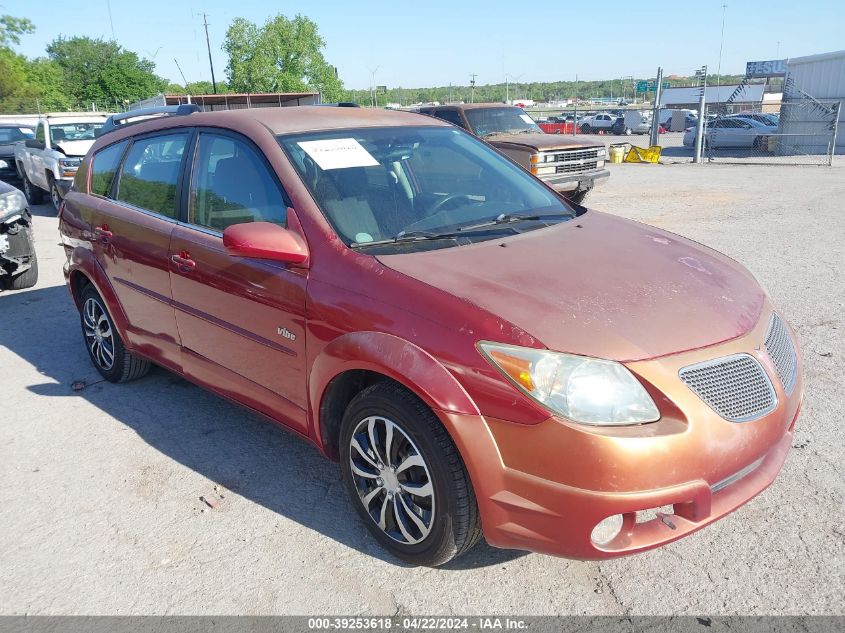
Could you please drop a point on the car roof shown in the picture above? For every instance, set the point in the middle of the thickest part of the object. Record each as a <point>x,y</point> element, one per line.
<point>469,106</point>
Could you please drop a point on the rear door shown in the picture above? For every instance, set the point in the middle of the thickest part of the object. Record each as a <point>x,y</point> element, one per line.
<point>133,220</point>
<point>246,317</point>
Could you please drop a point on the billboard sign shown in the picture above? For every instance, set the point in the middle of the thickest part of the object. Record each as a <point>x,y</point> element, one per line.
<point>771,68</point>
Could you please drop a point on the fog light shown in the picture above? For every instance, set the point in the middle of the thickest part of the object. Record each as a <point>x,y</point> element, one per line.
<point>606,530</point>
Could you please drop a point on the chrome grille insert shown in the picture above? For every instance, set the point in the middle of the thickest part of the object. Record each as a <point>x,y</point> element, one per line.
<point>736,387</point>
<point>727,481</point>
<point>782,352</point>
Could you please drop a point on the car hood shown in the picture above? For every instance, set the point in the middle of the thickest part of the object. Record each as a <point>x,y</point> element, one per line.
<point>540,142</point>
<point>74,148</point>
<point>599,286</point>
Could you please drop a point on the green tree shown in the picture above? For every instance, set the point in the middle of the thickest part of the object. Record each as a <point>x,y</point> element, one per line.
<point>103,71</point>
<point>11,29</point>
<point>284,55</point>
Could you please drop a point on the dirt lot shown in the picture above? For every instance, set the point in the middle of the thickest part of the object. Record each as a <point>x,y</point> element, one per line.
<point>100,488</point>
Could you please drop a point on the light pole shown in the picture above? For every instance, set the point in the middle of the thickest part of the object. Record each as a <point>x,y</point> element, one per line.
<point>721,46</point>
<point>373,72</point>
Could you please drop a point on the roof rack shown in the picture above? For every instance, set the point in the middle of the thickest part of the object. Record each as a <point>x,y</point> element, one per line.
<point>117,121</point>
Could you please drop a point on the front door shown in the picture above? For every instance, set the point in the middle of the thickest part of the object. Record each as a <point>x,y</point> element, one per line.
<point>243,316</point>
<point>133,220</point>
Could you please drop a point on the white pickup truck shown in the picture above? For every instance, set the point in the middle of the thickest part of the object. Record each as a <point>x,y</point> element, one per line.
<point>49,161</point>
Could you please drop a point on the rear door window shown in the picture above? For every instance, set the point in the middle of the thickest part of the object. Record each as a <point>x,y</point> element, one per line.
<point>104,166</point>
<point>232,184</point>
<point>151,172</point>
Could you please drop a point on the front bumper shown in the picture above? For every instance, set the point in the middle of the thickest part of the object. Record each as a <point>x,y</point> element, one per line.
<point>544,487</point>
<point>581,181</point>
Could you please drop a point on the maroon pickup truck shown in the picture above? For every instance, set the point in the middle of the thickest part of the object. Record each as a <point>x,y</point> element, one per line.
<point>572,166</point>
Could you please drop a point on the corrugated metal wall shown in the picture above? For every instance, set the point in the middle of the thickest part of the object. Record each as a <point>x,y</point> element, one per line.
<point>823,78</point>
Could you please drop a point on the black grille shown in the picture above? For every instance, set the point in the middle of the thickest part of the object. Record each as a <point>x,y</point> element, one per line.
<point>577,154</point>
<point>575,167</point>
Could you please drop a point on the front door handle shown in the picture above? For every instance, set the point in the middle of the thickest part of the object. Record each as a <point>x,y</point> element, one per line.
<point>103,233</point>
<point>183,261</point>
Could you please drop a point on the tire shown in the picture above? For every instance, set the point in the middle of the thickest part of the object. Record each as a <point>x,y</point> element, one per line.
<point>94,317</point>
<point>26,279</point>
<point>33,194</point>
<point>628,131</point>
<point>586,129</point>
<point>55,195</point>
<point>446,523</point>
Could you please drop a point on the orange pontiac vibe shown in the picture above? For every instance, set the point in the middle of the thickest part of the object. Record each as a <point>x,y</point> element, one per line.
<point>481,356</point>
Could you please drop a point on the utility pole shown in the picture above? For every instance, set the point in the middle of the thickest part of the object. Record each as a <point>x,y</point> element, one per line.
<point>721,45</point>
<point>699,132</point>
<point>655,115</point>
<point>181,73</point>
<point>472,87</point>
<point>208,45</point>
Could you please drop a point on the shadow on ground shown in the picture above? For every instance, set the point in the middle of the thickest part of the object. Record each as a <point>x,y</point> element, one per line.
<point>221,441</point>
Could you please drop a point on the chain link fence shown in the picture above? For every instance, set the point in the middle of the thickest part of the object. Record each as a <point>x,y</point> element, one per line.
<point>795,132</point>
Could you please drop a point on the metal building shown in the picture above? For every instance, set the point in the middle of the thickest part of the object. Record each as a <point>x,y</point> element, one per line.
<point>819,81</point>
<point>233,101</point>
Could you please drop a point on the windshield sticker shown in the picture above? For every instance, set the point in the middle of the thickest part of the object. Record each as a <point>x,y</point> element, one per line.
<point>338,153</point>
<point>527,119</point>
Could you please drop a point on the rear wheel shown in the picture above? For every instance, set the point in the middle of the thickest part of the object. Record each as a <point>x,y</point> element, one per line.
<point>406,478</point>
<point>586,129</point>
<point>103,343</point>
<point>33,194</point>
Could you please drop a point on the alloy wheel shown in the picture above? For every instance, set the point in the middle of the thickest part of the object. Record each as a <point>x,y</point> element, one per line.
<point>98,333</point>
<point>392,479</point>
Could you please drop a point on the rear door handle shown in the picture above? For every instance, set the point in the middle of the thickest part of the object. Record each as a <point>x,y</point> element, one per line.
<point>103,233</point>
<point>183,261</point>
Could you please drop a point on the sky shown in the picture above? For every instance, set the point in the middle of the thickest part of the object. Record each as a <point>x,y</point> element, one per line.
<point>437,42</point>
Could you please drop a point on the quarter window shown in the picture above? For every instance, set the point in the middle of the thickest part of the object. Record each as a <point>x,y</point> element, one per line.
<point>151,171</point>
<point>231,184</point>
<point>103,168</point>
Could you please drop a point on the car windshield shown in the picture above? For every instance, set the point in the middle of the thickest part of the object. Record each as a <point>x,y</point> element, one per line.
<point>14,133</point>
<point>74,131</point>
<point>504,120</point>
<point>375,185</point>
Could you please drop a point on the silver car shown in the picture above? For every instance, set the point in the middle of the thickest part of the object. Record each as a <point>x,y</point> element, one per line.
<point>734,131</point>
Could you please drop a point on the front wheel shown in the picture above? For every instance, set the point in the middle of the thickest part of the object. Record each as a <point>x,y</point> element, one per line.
<point>586,129</point>
<point>33,194</point>
<point>55,195</point>
<point>26,279</point>
<point>104,344</point>
<point>406,478</point>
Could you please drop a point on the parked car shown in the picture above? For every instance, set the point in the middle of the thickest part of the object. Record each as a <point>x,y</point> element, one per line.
<point>733,132</point>
<point>570,165</point>
<point>602,121</point>
<point>10,135</point>
<point>765,119</point>
<point>480,355</point>
<point>18,262</point>
<point>49,161</point>
<point>632,122</point>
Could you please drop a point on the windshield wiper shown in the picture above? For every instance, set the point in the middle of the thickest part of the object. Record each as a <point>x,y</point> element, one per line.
<point>421,236</point>
<point>510,218</point>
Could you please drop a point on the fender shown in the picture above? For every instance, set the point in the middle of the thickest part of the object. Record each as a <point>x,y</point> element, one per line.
<point>83,262</point>
<point>391,356</point>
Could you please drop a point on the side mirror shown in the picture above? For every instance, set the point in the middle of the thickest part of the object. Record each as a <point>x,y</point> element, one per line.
<point>264,240</point>
<point>34,144</point>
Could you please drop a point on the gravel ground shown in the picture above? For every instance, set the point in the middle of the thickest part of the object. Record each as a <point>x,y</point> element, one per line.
<point>100,488</point>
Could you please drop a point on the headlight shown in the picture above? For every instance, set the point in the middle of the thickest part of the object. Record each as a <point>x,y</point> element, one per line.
<point>69,165</point>
<point>11,202</point>
<point>602,152</point>
<point>582,389</point>
<point>4,164</point>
